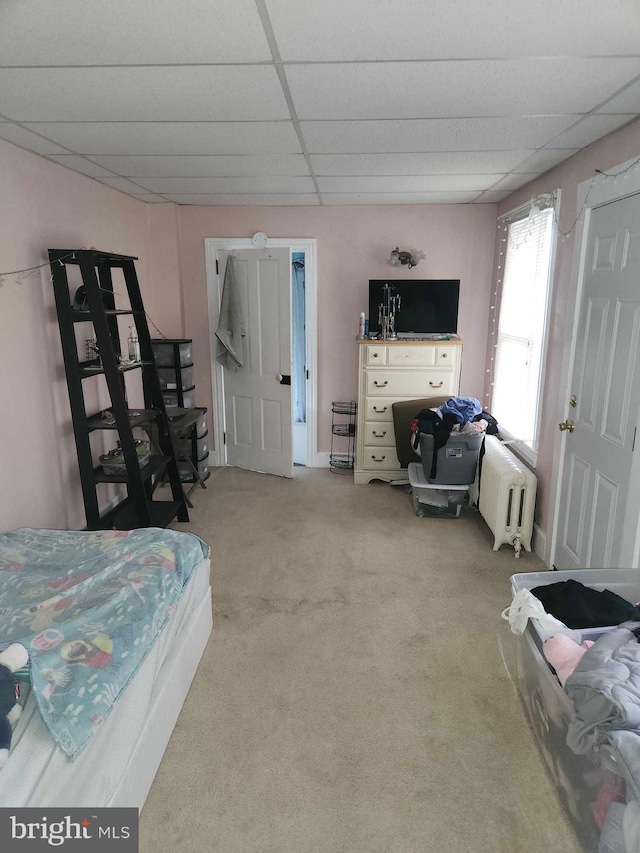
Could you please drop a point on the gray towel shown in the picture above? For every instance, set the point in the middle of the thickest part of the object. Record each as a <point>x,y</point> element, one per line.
<point>230,331</point>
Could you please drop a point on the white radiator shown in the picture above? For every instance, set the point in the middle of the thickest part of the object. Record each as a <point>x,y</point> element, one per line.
<point>507,496</point>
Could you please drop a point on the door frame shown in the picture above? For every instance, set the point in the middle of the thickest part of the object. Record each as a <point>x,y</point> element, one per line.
<point>591,193</point>
<point>213,245</point>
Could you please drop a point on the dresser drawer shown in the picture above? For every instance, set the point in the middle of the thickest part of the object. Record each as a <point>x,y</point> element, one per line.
<point>399,355</point>
<point>379,409</point>
<point>380,458</point>
<point>381,434</point>
<point>415,383</point>
<point>446,356</point>
<point>375,354</point>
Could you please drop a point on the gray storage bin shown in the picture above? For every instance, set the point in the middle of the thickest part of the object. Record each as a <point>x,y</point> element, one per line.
<point>201,426</point>
<point>578,779</point>
<point>457,460</point>
<point>186,471</point>
<point>188,399</point>
<point>202,447</point>
<point>434,501</point>
<point>168,377</point>
<point>163,352</point>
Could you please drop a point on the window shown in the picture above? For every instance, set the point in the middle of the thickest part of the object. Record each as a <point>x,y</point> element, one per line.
<point>521,324</point>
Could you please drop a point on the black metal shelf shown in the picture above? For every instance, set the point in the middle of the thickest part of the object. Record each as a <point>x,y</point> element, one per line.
<point>344,461</point>
<point>137,417</point>
<point>155,465</point>
<point>138,508</point>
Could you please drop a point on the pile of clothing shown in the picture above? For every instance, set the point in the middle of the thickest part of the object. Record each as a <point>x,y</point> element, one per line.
<point>602,679</point>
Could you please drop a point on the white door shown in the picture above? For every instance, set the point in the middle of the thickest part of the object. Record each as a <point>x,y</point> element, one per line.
<point>257,398</point>
<point>606,385</point>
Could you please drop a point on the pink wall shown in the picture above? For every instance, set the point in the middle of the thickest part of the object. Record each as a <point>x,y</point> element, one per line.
<point>353,246</point>
<point>43,205</point>
<point>604,154</point>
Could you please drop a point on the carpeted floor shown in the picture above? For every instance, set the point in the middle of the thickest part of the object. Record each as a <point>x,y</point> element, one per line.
<point>353,695</point>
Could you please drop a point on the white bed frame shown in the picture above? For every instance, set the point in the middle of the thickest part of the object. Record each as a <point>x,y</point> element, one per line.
<point>174,681</point>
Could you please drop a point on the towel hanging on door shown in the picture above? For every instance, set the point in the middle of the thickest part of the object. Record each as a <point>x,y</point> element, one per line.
<point>231,330</point>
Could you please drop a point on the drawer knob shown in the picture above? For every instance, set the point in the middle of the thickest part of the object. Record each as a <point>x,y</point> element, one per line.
<point>375,355</point>
<point>379,434</point>
<point>380,384</point>
<point>380,411</point>
<point>436,384</point>
<point>375,459</point>
<point>444,355</point>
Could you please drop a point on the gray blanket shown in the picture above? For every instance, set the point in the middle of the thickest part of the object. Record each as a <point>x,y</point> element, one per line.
<point>231,329</point>
<point>605,689</point>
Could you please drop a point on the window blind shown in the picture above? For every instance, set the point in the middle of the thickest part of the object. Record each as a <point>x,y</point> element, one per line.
<point>521,325</point>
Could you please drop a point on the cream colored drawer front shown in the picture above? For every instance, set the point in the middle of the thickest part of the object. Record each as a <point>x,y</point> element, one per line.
<point>379,409</point>
<point>380,458</point>
<point>418,383</point>
<point>376,354</point>
<point>411,355</point>
<point>446,356</point>
<point>381,433</point>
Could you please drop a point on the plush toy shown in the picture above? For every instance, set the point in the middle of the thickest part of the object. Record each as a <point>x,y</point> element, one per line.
<point>13,658</point>
<point>564,654</point>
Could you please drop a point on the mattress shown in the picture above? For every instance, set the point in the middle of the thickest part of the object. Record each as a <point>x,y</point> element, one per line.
<point>38,773</point>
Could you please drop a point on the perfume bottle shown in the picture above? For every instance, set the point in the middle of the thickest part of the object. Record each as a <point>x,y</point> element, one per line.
<point>134,344</point>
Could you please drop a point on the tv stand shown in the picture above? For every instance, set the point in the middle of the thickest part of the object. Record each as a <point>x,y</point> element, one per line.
<point>391,371</point>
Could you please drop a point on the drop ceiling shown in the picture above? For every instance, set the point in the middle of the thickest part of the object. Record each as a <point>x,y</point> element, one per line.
<point>307,102</point>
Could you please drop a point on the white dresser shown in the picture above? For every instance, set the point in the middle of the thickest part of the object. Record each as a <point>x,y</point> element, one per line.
<point>390,371</point>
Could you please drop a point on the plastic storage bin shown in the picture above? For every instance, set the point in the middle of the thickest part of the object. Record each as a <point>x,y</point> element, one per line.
<point>201,447</point>
<point>201,426</point>
<point>188,398</point>
<point>442,501</point>
<point>579,779</point>
<point>168,377</point>
<point>186,471</point>
<point>624,582</point>
<point>163,351</point>
<point>457,460</point>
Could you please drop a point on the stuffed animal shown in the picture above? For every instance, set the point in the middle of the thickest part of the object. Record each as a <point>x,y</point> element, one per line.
<point>564,654</point>
<point>13,658</point>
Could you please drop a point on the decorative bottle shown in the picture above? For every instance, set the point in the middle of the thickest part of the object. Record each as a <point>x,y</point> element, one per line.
<point>134,344</point>
<point>361,333</point>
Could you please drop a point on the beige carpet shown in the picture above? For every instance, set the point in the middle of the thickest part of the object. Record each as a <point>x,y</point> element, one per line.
<point>353,695</point>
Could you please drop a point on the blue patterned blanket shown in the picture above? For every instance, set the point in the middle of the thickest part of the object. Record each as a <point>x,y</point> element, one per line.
<point>89,606</point>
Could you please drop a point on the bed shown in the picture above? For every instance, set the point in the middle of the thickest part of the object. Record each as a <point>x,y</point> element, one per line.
<point>117,764</point>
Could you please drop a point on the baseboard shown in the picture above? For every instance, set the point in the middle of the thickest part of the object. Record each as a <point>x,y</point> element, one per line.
<point>539,542</point>
<point>321,460</point>
<point>214,459</point>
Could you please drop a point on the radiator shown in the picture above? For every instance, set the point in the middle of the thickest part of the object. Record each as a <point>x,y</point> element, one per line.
<point>507,496</point>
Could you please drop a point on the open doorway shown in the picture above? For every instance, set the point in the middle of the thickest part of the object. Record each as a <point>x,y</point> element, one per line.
<point>303,339</point>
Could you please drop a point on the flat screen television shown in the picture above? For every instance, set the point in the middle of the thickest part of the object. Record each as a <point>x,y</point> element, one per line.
<point>427,306</point>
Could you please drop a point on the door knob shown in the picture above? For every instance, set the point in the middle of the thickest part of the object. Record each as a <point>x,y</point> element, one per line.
<point>569,426</point>
<point>283,379</point>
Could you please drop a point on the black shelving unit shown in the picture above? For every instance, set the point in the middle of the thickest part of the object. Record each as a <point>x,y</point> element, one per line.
<point>138,508</point>
<point>343,427</point>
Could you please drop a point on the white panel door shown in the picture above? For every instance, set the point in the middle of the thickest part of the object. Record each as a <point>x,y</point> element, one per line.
<point>257,400</point>
<point>606,386</point>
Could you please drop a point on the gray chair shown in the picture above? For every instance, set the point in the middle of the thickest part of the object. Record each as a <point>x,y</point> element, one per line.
<point>404,412</point>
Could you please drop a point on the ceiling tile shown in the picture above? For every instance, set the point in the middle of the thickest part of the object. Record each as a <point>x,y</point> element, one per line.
<point>133,33</point>
<point>228,185</point>
<point>344,137</point>
<point>544,159</point>
<point>439,89</point>
<point>513,181</point>
<point>406,183</point>
<point>182,138</point>
<point>178,93</point>
<point>26,139</point>
<point>334,30</point>
<point>203,167</point>
<point>122,184</point>
<point>255,200</point>
<point>626,102</point>
<point>398,198</point>
<point>432,163</point>
<point>491,197</point>
<point>79,164</point>
<point>588,130</point>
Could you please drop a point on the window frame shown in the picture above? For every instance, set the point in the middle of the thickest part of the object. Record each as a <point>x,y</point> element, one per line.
<point>528,451</point>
